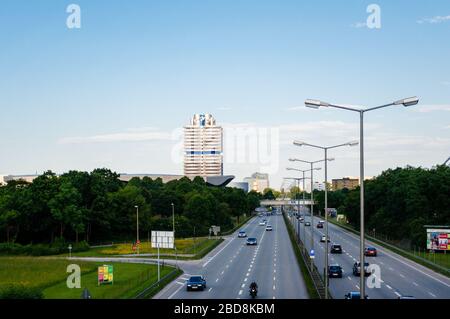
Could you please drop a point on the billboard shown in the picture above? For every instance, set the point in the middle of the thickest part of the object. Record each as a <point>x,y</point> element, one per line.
<point>162,239</point>
<point>105,274</point>
<point>438,239</point>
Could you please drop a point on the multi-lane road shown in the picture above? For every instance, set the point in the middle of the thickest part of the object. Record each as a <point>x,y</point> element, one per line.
<point>232,266</point>
<point>399,276</point>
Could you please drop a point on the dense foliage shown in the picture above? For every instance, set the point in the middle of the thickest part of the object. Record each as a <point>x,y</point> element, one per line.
<point>97,206</point>
<point>399,202</point>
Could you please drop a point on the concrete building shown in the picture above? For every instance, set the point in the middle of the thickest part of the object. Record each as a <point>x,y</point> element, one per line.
<point>203,147</point>
<point>345,182</point>
<point>258,182</point>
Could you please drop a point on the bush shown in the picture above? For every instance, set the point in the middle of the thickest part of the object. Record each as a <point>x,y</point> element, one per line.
<point>21,292</point>
<point>56,248</point>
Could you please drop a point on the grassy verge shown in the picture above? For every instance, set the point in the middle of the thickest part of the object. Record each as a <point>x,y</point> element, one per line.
<point>312,292</point>
<point>49,275</point>
<point>184,246</point>
<point>404,253</point>
<point>154,289</point>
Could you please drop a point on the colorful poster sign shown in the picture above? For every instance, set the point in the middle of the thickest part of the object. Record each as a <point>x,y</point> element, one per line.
<point>438,239</point>
<point>105,274</point>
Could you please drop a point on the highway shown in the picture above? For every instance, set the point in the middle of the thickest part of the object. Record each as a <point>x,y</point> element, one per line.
<point>399,276</point>
<point>232,266</point>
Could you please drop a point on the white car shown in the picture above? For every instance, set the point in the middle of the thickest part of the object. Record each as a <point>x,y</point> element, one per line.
<point>261,223</point>
<point>324,238</point>
<point>269,228</point>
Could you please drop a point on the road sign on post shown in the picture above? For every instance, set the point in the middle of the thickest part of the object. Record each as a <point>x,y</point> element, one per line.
<point>162,239</point>
<point>215,230</point>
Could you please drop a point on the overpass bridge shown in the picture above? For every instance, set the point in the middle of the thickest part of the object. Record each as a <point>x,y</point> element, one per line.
<point>285,202</point>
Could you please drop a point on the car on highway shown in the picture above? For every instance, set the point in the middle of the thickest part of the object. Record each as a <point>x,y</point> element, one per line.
<point>251,241</point>
<point>301,219</point>
<point>334,271</point>
<point>307,224</point>
<point>357,269</point>
<point>320,224</point>
<point>336,249</point>
<point>269,228</point>
<point>355,295</point>
<point>242,234</point>
<point>262,223</point>
<point>324,238</point>
<point>370,251</point>
<point>197,282</point>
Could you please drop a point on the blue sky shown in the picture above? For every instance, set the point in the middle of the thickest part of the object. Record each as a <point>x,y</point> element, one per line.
<point>112,93</point>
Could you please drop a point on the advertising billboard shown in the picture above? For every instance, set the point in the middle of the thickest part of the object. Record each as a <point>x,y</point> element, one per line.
<point>438,239</point>
<point>162,239</point>
<point>105,274</point>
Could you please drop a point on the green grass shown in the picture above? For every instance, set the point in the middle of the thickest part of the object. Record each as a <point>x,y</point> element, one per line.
<point>184,246</point>
<point>49,274</point>
<point>312,292</point>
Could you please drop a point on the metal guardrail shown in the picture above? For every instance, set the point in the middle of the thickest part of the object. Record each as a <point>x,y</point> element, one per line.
<point>155,284</point>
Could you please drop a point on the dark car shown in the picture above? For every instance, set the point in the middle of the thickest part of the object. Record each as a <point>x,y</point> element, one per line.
<point>370,251</point>
<point>196,283</point>
<point>307,224</point>
<point>357,269</point>
<point>335,271</point>
<point>252,241</point>
<point>336,249</point>
<point>320,225</point>
<point>354,295</point>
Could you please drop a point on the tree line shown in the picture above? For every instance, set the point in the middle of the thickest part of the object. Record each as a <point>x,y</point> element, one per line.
<point>399,202</point>
<point>98,206</point>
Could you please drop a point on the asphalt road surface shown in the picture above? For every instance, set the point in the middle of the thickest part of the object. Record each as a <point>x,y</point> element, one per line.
<point>399,276</point>
<point>232,266</point>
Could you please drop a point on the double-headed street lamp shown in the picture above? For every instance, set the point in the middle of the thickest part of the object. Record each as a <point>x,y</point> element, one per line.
<point>298,179</point>
<point>315,104</point>
<point>312,196</point>
<point>326,148</point>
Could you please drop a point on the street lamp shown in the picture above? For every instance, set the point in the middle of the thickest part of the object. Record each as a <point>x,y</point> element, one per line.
<point>312,169</point>
<point>298,200</point>
<point>326,148</point>
<point>137,228</point>
<point>315,104</point>
<point>448,160</point>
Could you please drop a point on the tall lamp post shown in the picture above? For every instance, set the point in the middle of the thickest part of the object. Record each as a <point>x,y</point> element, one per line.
<point>312,197</point>
<point>298,143</point>
<point>137,228</point>
<point>298,201</point>
<point>315,104</point>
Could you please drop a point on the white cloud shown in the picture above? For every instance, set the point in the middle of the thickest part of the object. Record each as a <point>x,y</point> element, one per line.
<point>432,108</point>
<point>224,108</point>
<point>129,135</point>
<point>434,20</point>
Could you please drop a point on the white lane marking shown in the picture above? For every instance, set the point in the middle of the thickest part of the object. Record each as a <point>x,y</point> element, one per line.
<point>245,279</point>
<point>243,285</point>
<point>249,270</point>
<point>357,287</point>
<point>274,270</point>
<point>398,295</point>
<point>349,278</point>
<point>210,289</point>
<point>240,292</point>
<point>247,274</point>
<point>432,294</point>
<point>273,297</point>
<point>389,287</point>
<point>212,258</point>
<point>175,292</point>
<point>402,276</point>
<point>391,269</point>
<point>274,278</point>
<point>273,287</point>
<point>415,284</point>
<point>222,272</point>
<point>180,283</point>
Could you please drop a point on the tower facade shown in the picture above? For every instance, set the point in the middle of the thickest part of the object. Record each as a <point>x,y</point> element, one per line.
<point>203,147</point>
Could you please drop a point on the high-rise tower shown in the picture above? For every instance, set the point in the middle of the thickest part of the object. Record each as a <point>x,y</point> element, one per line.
<point>203,147</point>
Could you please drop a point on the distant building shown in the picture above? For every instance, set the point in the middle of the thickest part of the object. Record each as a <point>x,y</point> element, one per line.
<point>2,180</point>
<point>258,182</point>
<point>241,185</point>
<point>203,147</point>
<point>319,186</point>
<point>25,178</point>
<point>346,182</point>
